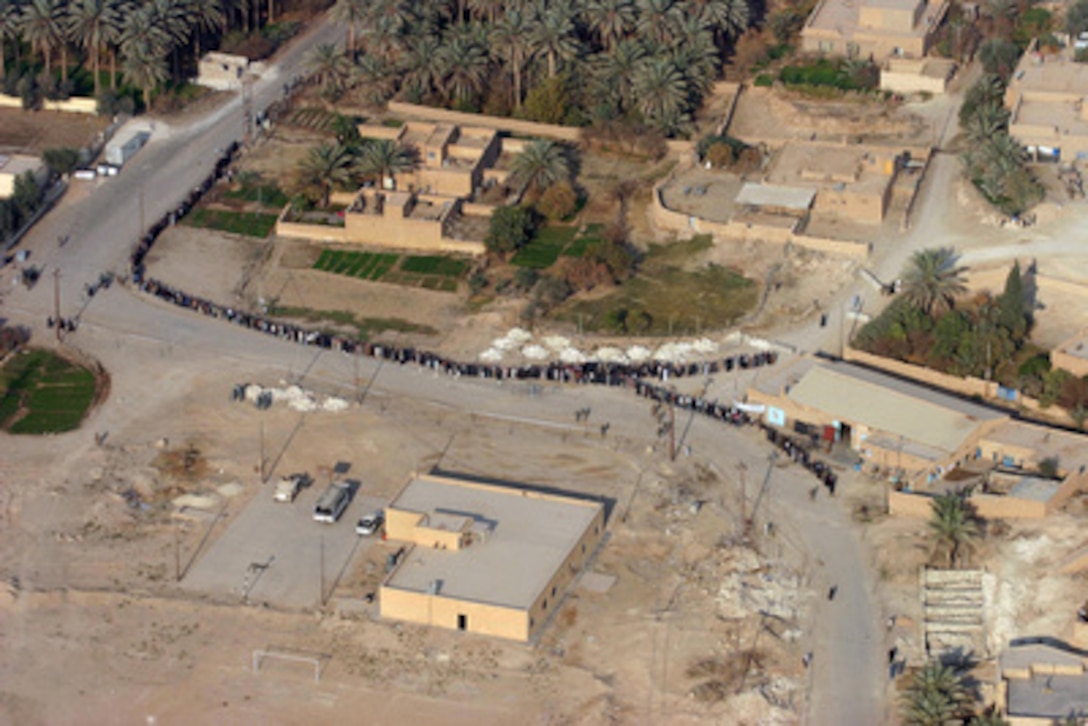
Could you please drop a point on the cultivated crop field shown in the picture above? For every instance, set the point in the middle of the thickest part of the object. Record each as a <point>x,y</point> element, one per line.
<point>431,272</point>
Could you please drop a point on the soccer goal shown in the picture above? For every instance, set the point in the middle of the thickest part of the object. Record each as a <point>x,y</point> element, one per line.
<point>316,659</point>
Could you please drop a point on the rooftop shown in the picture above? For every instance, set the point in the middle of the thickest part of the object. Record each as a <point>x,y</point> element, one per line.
<point>1034,489</point>
<point>527,537</point>
<point>1070,449</point>
<point>917,414</point>
<point>1078,346</point>
<point>843,17</point>
<point>832,166</point>
<point>1052,73</point>
<point>774,195</point>
<point>16,164</point>
<point>1045,695</point>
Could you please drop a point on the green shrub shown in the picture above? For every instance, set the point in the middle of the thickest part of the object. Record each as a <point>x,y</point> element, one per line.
<point>764,80</point>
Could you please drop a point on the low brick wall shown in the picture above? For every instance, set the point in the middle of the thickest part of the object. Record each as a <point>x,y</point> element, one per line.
<point>510,125</point>
<point>79,104</point>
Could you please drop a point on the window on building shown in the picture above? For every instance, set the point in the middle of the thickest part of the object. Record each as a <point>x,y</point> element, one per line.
<point>544,605</point>
<point>553,590</point>
<point>826,46</point>
<point>462,622</point>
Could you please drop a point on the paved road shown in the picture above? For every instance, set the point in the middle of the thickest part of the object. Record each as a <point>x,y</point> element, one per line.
<point>118,322</point>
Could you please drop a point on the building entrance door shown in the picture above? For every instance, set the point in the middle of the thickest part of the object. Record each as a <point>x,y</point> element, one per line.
<point>462,622</point>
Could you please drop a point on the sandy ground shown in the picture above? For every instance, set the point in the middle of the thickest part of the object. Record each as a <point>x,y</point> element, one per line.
<point>33,133</point>
<point>90,579</point>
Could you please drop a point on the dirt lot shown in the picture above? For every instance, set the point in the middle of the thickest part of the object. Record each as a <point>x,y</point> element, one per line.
<point>34,131</point>
<point>796,117</point>
<point>94,541</point>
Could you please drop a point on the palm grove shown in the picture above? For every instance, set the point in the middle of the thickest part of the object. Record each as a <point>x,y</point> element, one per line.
<point>144,42</point>
<point>647,61</point>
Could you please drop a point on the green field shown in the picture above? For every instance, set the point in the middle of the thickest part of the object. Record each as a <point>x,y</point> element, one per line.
<point>43,393</point>
<point>544,249</point>
<point>430,272</point>
<point>555,241</point>
<point>668,298</point>
<point>253,224</point>
<point>269,195</point>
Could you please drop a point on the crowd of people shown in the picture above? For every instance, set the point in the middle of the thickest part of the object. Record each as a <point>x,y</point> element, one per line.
<point>649,379</point>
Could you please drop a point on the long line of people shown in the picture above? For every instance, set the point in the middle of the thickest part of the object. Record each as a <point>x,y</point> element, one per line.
<point>639,376</point>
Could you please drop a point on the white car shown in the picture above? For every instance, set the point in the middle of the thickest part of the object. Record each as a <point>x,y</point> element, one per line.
<point>370,524</point>
<point>289,487</point>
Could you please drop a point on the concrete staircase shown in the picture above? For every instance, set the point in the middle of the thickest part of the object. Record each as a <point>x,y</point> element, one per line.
<point>954,612</point>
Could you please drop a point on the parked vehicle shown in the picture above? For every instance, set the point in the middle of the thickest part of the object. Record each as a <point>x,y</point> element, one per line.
<point>125,145</point>
<point>370,524</point>
<point>333,502</point>
<point>289,487</point>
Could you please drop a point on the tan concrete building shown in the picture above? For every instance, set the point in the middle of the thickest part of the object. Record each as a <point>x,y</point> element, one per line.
<point>1046,100</point>
<point>1072,355</point>
<point>876,29</point>
<point>222,71</point>
<point>14,166</point>
<point>891,423</point>
<point>851,181</point>
<point>485,558</point>
<point>427,209</point>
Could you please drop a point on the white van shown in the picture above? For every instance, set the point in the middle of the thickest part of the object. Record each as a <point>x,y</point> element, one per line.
<point>332,503</point>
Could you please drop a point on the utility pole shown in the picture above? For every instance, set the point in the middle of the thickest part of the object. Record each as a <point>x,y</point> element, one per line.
<point>143,227</point>
<point>261,464</point>
<point>177,552</point>
<point>56,299</point>
<point>322,570</point>
<point>358,390</point>
<point>744,523</point>
<point>672,429</point>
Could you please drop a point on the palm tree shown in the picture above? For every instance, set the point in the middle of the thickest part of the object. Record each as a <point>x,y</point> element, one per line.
<point>540,165</point>
<point>207,16</point>
<point>553,36</point>
<point>614,72</point>
<point>325,167</point>
<point>92,23</point>
<point>660,92</point>
<point>385,37</point>
<point>420,67</point>
<point>728,18</point>
<point>378,77</point>
<point>351,13</point>
<point>932,279</point>
<point>954,524</point>
<point>935,696</point>
<point>329,66</point>
<point>384,159</point>
<point>465,68</point>
<point>509,38</point>
<point>657,20</point>
<point>144,68</point>
<point>38,24</point>
<point>610,20</point>
<point>9,23</point>
<point>488,9</point>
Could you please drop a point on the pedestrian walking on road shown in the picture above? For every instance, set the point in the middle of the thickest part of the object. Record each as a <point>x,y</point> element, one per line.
<point>831,593</point>
<point>806,659</point>
<point>813,492</point>
<point>894,651</point>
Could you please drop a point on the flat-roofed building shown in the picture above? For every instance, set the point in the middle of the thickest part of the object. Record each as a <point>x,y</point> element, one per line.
<point>891,423</point>
<point>14,166</point>
<point>1045,99</point>
<point>1043,684</point>
<point>1072,355</point>
<point>486,558</point>
<point>875,29</point>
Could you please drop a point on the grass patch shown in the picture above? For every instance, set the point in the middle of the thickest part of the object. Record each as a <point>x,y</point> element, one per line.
<point>365,328</point>
<point>664,298</point>
<point>43,393</point>
<point>544,249</point>
<point>429,272</point>
<point>252,224</point>
<point>434,265</point>
<point>269,195</point>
